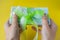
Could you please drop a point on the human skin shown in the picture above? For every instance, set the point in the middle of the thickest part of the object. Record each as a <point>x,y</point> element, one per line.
<point>12,30</point>
<point>48,32</point>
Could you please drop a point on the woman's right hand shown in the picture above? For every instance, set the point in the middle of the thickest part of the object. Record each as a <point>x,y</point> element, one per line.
<point>48,32</point>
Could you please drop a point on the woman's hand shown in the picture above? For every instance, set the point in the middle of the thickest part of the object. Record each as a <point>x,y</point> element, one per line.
<point>48,32</point>
<point>13,30</point>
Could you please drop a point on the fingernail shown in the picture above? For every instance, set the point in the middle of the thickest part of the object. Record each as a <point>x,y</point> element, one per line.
<point>44,15</point>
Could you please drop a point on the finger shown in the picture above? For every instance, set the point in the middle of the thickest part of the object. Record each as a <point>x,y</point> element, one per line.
<point>20,29</point>
<point>45,22</point>
<point>53,25</point>
<point>39,31</point>
<point>34,28</point>
<point>7,24</point>
<point>14,19</point>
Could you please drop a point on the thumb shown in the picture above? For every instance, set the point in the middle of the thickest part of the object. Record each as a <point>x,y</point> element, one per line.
<point>45,22</point>
<point>14,19</point>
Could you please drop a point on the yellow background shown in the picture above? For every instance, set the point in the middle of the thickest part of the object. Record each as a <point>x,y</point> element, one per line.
<point>54,12</point>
